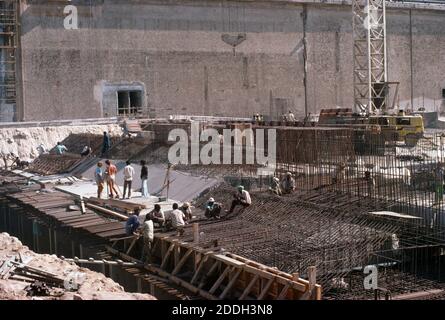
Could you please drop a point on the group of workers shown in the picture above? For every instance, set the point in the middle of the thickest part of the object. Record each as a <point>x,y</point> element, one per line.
<point>176,219</point>
<point>108,177</point>
<point>285,186</point>
<point>61,149</point>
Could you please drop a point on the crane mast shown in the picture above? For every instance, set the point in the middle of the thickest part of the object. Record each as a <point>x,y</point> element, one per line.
<point>369,56</point>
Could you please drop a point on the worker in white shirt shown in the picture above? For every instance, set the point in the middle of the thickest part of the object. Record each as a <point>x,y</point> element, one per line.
<point>158,216</point>
<point>242,197</point>
<point>178,219</point>
<point>128,179</point>
<point>291,117</point>
<point>148,237</point>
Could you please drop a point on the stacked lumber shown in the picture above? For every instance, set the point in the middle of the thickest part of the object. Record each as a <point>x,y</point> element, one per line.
<point>117,205</point>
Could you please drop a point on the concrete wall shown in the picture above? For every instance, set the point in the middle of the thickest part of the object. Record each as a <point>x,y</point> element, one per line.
<point>175,51</point>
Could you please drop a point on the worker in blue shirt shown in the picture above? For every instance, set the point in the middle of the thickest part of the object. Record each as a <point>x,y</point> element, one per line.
<point>132,223</point>
<point>60,148</point>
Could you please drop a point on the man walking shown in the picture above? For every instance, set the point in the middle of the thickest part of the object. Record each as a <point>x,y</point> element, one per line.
<point>99,177</point>
<point>128,179</point>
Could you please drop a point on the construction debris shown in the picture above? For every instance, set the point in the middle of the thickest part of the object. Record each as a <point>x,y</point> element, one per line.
<point>24,274</point>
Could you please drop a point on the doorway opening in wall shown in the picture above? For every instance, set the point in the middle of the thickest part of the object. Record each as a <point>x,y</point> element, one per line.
<point>129,102</point>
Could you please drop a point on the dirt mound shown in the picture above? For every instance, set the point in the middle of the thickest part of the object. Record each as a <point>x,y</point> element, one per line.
<point>93,285</point>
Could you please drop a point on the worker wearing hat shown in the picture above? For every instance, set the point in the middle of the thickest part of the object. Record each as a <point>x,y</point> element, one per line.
<point>242,197</point>
<point>288,183</point>
<point>213,209</point>
<point>186,209</point>
<point>275,186</point>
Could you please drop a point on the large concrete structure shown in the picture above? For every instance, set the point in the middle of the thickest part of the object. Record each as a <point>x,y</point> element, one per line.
<point>178,57</point>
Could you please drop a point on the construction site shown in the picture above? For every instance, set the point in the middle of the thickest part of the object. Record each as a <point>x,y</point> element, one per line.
<point>301,143</point>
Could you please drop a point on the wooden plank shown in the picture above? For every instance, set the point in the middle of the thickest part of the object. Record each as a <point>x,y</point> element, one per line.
<point>230,284</point>
<point>167,255</point>
<point>133,242</point>
<point>265,289</point>
<point>212,269</point>
<point>107,211</point>
<point>198,270</point>
<point>221,279</point>
<point>249,287</point>
<point>182,261</point>
<point>229,260</point>
<point>283,292</point>
<point>417,295</point>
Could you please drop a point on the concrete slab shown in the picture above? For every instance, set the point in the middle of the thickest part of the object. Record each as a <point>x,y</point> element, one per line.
<point>183,186</point>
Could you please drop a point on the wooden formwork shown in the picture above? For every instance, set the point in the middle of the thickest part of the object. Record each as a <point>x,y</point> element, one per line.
<point>215,274</point>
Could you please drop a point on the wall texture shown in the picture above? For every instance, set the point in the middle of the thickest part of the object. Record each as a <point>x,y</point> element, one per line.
<point>176,52</point>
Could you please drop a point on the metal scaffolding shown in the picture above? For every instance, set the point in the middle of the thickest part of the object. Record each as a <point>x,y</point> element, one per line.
<point>8,52</point>
<point>369,50</point>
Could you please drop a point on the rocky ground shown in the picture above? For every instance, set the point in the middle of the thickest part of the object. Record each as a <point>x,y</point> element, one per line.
<point>23,141</point>
<point>93,286</point>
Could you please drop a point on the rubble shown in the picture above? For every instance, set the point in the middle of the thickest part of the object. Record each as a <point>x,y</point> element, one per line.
<point>93,285</point>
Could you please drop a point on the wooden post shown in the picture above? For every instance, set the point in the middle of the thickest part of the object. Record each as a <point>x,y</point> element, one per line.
<point>50,240</point>
<point>55,241</point>
<point>82,205</point>
<point>196,232</point>
<point>312,275</point>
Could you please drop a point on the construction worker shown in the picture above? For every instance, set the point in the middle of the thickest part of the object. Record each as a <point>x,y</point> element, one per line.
<point>60,148</point>
<point>110,173</point>
<point>178,219</point>
<point>41,149</point>
<point>242,198</point>
<point>144,179</point>
<point>438,185</point>
<point>284,117</point>
<point>85,151</point>
<point>370,183</point>
<point>290,117</point>
<point>19,164</point>
<point>99,177</point>
<point>106,144</point>
<point>128,179</point>
<point>148,237</point>
<point>132,223</point>
<point>213,209</point>
<point>275,186</point>
<point>186,209</point>
<point>157,215</point>
<point>288,183</point>
<point>339,174</point>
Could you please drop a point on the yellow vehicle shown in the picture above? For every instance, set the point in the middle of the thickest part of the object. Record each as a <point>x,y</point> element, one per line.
<point>408,128</point>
